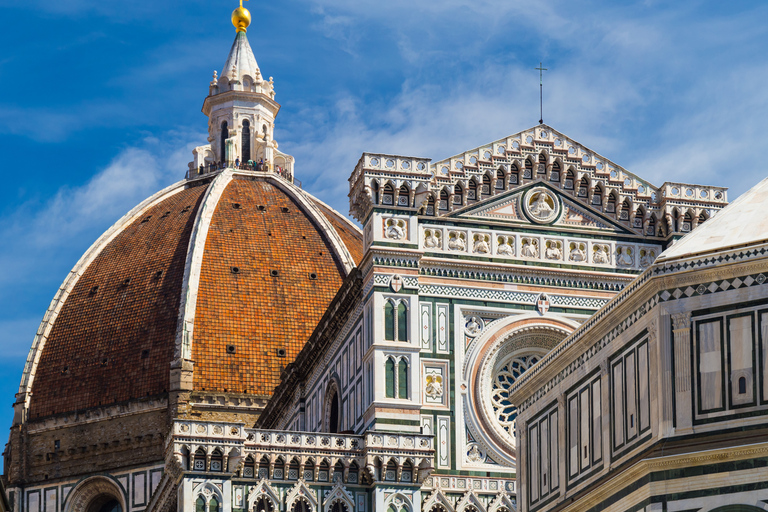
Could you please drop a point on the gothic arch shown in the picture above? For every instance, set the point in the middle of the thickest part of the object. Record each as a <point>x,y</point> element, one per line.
<point>338,495</point>
<point>332,406</point>
<point>399,502</point>
<point>468,502</point>
<point>300,492</point>
<point>437,499</point>
<point>263,491</point>
<point>94,492</point>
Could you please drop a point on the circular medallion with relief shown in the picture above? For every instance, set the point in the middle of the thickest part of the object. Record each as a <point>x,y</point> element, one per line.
<point>541,205</point>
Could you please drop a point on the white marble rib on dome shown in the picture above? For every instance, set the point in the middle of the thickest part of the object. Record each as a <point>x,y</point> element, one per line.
<point>242,58</point>
<point>742,222</point>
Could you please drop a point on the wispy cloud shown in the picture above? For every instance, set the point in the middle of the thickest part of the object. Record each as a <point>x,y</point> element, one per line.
<point>75,216</point>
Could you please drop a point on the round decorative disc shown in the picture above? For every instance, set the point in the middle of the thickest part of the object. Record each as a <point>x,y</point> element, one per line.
<point>541,205</point>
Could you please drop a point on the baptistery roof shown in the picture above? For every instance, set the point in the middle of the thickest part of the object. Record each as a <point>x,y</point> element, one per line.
<point>230,271</point>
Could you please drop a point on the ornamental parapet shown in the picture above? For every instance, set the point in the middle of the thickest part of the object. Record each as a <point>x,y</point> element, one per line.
<point>228,447</point>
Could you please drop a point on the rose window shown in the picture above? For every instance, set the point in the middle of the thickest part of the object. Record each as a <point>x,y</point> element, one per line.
<point>503,380</point>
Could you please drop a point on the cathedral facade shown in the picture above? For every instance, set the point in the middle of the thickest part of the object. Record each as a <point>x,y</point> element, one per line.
<point>234,344</point>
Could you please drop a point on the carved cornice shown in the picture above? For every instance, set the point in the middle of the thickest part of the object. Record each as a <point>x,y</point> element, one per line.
<point>97,414</point>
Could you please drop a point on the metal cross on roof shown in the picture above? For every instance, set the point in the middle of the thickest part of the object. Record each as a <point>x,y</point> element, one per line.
<point>541,92</point>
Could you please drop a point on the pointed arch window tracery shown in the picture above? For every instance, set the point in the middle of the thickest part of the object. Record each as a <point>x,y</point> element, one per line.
<point>396,377</point>
<point>245,143</point>
<point>396,320</point>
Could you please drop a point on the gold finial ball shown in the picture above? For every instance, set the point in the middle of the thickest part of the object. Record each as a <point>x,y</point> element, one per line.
<point>241,18</point>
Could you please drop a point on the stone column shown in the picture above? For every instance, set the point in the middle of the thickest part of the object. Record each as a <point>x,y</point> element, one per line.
<point>522,460</point>
<point>681,332</point>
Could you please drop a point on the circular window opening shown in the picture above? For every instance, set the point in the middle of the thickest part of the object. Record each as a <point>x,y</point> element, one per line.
<point>503,379</point>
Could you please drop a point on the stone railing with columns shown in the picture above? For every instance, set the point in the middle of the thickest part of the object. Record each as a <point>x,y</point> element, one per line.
<point>230,448</point>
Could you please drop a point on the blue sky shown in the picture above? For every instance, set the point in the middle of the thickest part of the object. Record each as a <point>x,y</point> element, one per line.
<point>100,102</point>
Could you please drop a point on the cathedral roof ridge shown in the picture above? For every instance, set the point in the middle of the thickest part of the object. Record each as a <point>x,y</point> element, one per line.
<point>544,134</point>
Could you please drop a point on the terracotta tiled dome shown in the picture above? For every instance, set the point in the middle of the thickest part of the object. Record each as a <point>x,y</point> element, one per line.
<point>231,271</point>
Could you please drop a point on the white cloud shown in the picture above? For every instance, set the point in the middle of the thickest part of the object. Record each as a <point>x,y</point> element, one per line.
<point>75,216</point>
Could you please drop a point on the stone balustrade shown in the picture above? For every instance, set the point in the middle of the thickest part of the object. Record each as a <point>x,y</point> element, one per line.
<point>208,446</point>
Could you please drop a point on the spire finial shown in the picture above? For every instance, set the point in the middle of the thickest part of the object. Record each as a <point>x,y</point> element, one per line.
<point>241,18</point>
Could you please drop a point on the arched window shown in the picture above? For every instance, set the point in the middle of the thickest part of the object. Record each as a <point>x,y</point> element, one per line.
<point>216,460</point>
<point>388,196</point>
<point>213,505</point>
<point>402,379</point>
<point>687,221</point>
<point>610,205</point>
<point>528,173</point>
<point>300,506</point>
<point>224,137</point>
<point>391,471</point>
<point>294,467</point>
<point>407,474</point>
<point>639,216</point>
<point>278,473</point>
<point>431,205</point>
<point>403,197</point>
<point>702,217</point>
<point>486,185</point>
<point>338,506</point>
<point>375,192</point>
<point>542,168</point>
<point>353,473</point>
<point>323,470</point>
<point>200,460</point>
<point>389,321</point>
<point>389,378</point>
<point>402,322</point>
<point>309,470</point>
<point>263,504</point>
<point>458,194</point>
<point>597,197</point>
<point>249,468</point>
<point>200,504</point>
<point>333,414</point>
<point>652,225</point>
<point>500,179</point>
<point>514,175</point>
<point>338,472</point>
<point>555,176</point>
<point>569,180</point>
<point>444,200</point>
<point>472,190</point>
<point>264,467</point>
<point>583,188</point>
<point>246,141</point>
<point>626,209</point>
<point>742,385</point>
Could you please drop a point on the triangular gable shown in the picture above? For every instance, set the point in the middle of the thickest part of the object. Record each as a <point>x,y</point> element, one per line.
<point>501,502</point>
<point>338,493</point>
<point>300,492</point>
<point>534,140</point>
<point>508,207</point>
<point>438,498</point>
<point>262,489</point>
<point>470,498</point>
